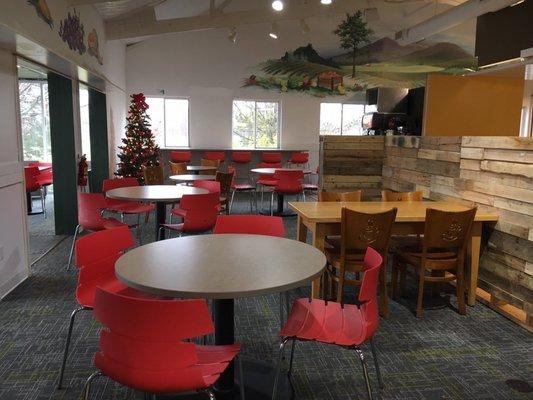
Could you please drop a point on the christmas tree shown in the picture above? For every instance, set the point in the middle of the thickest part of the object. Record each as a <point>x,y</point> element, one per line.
<point>139,146</point>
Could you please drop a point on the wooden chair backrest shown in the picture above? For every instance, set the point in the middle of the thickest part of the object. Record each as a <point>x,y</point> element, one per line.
<point>178,168</point>
<point>361,230</point>
<point>225,179</point>
<point>210,163</point>
<point>324,195</point>
<point>447,230</point>
<point>389,195</point>
<point>153,175</point>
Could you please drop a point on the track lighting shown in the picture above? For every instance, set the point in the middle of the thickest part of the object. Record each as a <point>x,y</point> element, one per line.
<point>326,2</point>
<point>304,27</point>
<point>232,34</point>
<point>274,31</point>
<point>277,5</point>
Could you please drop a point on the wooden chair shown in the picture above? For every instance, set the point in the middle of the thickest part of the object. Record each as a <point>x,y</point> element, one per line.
<point>389,195</point>
<point>153,175</point>
<point>177,168</point>
<point>209,163</point>
<point>324,195</point>
<point>442,251</point>
<point>225,179</point>
<point>358,232</point>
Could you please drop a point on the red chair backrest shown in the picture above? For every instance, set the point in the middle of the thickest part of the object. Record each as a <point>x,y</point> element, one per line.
<point>89,208</point>
<point>102,244</point>
<point>215,155</point>
<point>289,180</point>
<point>267,165</point>
<point>116,183</point>
<point>211,186</point>
<point>241,156</point>
<point>250,224</point>
<point>202,211</point>
<point>300,157</point>
<point>271,158</point>
<point>180,156</point>
<point>369,288</point>
<point>232,169</point>
<point>30,178</point>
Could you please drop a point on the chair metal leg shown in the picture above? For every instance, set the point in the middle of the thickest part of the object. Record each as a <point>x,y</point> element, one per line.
<point>365,372</point>
<point>231,201</point>
<point>241,375</point>
<point>211,394</point>
<point>272,203</point>
<point>289,372</point>
<point>76,231</point>
<point>262,196</point>
<point>43,203</point>
<point>87,387</point>
<point>278,367</point>
<point>139,228</point>
<point>67,345</point>
<point>376,363</point>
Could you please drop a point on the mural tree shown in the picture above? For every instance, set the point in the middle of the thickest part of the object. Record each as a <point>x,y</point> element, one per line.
<point>352,33</point>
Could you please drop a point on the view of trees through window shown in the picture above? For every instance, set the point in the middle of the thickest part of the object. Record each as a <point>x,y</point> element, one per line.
<point>169,119</point>
<point>35,120</point>
<point>342,119</point>
<point>255,124</point>
<point>84,122</point>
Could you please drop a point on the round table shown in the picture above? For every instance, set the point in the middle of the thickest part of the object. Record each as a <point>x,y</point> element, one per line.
<point>158,194</point>
<point>192,178</point>
<point>271,171</point>
<point>223,267</point>
<point>196,169</point>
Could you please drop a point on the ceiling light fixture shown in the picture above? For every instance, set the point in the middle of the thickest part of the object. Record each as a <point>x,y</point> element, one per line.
<point>304,27</point>
<point>274,31</point>
<point>277,5</point>
<point>326,2</point>
<point>232,34</point>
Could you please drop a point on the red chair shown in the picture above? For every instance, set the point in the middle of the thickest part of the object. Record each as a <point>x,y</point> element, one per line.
<point>240,187</point>
<point>90,207</point>
<point>266,181</point>
<point>300,158</point>
<point>288,182</point>
<point>346,325</point>
<point>144,345</point>
<point>215,155</point>
<point>271,157</point>
<point>241,157</point>
<point>199,213</point>
<point>31,175</point>
<point>96,254</point>
<point>180,156</point>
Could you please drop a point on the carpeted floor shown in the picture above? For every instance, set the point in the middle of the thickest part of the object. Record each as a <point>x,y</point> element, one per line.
<point>441,356</point>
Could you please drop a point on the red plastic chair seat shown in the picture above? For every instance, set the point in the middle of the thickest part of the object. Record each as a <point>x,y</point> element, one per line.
<point>179,212</point>
<point>326,322</point>
<point>132,208</point>
<point>267,181</point>
<point>174,227</point>
<point>242,186</point>
<point>110,223</point>
<point>309,186</point>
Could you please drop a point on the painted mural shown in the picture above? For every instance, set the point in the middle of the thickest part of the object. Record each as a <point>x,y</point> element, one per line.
<point>94,46</point>
<point>382,63</point>
<point>41,7</point>
<point>72,31</point>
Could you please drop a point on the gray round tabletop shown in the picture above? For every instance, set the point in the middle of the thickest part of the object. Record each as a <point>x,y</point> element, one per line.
<point>272,171</point>
<point>200,168</point>
<point>153,192</point>
<point>191,178</point>
<point>220,266</point>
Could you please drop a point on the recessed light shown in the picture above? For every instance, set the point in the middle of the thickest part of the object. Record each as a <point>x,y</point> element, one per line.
<point>326,2</point>
<point>277,5</point>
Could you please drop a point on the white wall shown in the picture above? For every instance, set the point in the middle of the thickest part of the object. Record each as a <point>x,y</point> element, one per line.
<point>13,242</point>
<point>210,70</point>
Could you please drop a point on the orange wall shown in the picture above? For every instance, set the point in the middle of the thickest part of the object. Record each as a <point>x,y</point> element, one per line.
<point>472,106</point>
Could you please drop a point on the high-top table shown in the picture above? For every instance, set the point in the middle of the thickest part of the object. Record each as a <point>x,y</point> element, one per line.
<point>323,219</point>
<point>223,268</point>
<point>197,169</point>
<point>158,194</point>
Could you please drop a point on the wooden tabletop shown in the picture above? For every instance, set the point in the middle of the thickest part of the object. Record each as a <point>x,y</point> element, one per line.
<point>408,211</point>
<point>272,171</point>
<point>192,177</point>
<point>200,168</point>
<point>153,192</point>
<point>220,266</point>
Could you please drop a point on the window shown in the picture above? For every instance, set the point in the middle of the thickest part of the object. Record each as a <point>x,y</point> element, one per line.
<point>84,122</point>
<point>255,125</point>
<point>170,121</point>
<point>342,119</point>
<point>35,120</point>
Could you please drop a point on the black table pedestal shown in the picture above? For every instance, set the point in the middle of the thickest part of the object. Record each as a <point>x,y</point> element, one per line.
<point>160,212</point>
<point>279,211</point>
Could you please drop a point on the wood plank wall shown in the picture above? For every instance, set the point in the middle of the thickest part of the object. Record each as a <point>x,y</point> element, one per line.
<point>493,173</point>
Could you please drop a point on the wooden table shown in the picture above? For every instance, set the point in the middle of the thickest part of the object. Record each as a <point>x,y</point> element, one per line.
<point>197,169</point>
<point>158,194</point>
<point>323,219</point>
<point>223,267</point>
<point>191,178</point>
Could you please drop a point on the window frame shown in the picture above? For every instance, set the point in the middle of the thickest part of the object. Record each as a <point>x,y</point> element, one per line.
<point>342,116</point>
<point>164,97</point>
<point>277,102</point>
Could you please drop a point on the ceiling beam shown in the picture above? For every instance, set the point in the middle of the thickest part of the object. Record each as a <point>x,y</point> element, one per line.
<point>144,23</point>
<point>88,2</point>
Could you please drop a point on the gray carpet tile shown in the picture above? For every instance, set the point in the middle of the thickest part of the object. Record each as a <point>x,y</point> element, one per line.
<point>442,356</point>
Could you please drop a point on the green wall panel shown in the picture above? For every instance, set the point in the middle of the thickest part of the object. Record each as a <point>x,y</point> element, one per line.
<point>99,143</point>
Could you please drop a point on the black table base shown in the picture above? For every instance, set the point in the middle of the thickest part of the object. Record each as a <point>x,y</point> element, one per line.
<point>279,211</point>
<point>29,203</point>
<point>160,215</point>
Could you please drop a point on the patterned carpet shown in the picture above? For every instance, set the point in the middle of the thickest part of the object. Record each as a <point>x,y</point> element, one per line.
<point>441,356</point>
